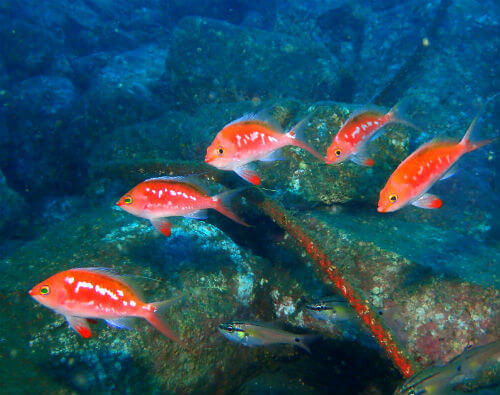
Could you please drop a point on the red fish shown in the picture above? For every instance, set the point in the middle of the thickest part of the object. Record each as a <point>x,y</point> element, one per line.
<point>85,294</point>
<point>363,126</point>
<point>430,163</point>
<point>250,138</point>
<point>158,198</point>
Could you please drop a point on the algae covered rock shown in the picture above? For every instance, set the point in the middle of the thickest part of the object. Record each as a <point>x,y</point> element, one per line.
<point>211,61</point>
<point>302,178</point>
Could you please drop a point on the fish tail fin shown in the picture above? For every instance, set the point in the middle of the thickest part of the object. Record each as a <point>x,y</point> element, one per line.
<point>398,114</point>
<point>223,204</point>
<point>296,134</point>
<point>466,140</point>
<point>305,340</point>
<point>156,319</point>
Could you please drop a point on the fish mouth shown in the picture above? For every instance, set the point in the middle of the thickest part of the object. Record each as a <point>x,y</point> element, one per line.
<point>31,293</point>
<point>119,203</point>
<point>381,209</point>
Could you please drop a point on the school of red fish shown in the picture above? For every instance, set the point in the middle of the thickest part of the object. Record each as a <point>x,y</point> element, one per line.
<point>85,294</point>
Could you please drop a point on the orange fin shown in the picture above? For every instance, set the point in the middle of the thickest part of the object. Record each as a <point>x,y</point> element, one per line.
<point>429,201</point>
<point>296,135</point>
<point>223,202</point>
<point>162,225</point>
<point>248,175</point>
<point>80,324</point>
<point>155,318</point>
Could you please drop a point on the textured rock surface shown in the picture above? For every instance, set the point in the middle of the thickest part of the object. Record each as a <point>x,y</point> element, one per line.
<point>212,61</point>
<point>12,208</point>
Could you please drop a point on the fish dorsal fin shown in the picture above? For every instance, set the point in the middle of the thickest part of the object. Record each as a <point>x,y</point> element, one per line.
<point>109,272</point>
<point>370,108</point>
<point>190,179</point>
<point>262,116</point>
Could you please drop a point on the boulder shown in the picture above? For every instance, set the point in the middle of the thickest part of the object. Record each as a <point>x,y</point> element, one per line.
<point>38,148</point>
<point>28,49</point>
<point>214,61</point>
<point>129,88</point>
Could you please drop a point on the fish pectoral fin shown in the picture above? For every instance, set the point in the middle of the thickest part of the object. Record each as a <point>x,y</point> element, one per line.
<point>121,323</point>
<point>80,324</point>
<point>361,157</point>
<point>248,175</point>
<point>428,201</point>
<point>199,214</point>
<point>162,225</point>
<point>273,156</point>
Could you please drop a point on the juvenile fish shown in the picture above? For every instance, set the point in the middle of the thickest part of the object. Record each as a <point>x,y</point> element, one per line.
<point>362,127</point>
<point>258,334</point>
<point>158,198</point>
<point>332,310</point>
<point>82,295</point>
<point>430,163</point>
<point>250,138</point>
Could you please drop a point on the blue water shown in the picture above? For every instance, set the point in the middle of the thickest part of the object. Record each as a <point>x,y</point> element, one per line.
<point>98,95</point>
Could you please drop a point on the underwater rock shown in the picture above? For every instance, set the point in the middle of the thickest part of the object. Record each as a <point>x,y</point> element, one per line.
<point>254,13</point>
<point>12,206</point>
<point>123,92</point>
<point>27,49</point>
<point>4,79</point>
<point>37,112</point>
<point>305,180</point>
<point>214,61</point>
<point>218,279</point>
<point>42,96</point>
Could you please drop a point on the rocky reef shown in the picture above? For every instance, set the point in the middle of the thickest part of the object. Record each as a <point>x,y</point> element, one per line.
<point>96,96</point>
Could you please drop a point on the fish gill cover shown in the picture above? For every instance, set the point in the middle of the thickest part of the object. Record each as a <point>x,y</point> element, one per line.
<point>96,96</point>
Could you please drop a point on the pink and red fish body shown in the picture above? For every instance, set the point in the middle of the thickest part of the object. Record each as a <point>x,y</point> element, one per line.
<point>432,162</point>
<point>249,139</point>
<point>158,198</point>
<point>363,126</point>
<point>95,293</point>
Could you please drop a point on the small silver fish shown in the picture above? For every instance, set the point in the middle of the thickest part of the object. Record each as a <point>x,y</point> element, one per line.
<point>332,310</point>
<point>260,334</point>
<point>475,369</point>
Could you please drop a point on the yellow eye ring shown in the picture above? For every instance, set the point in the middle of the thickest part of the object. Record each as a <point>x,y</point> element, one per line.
<point>220,151</point>
<point>338,152</point>
<point>128,200</point>
<point>393,198</point>
<point>45,290</point>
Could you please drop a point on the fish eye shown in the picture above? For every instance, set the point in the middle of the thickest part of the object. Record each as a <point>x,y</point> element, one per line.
<point>338,152</point>
<point>229,328</point>
<point>45,290</point>
<point>220,151</point>
<point>128,200</point>
<point>393,198</point>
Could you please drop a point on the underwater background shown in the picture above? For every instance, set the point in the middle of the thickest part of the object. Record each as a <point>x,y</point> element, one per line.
<point>99,95</point>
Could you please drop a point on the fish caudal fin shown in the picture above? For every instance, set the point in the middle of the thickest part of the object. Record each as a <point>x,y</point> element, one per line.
<point>80,325</point>
<point>222,205</point>
<point>248,174</point>
<point>398,114</point>
<point>304,341</point>
<point>156,319</point>
<point>466,140</point>
<point>296,135</point>
<point>163,226</point>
